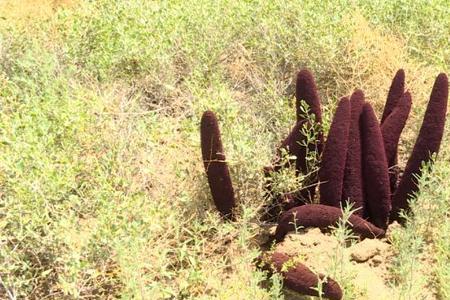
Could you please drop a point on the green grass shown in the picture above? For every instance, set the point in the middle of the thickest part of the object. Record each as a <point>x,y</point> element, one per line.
<point>422,256</point>
<point>102,190</point>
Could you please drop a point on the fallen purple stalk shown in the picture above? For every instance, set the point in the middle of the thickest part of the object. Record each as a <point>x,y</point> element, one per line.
<point>322,216</point>
<point>301,279</point>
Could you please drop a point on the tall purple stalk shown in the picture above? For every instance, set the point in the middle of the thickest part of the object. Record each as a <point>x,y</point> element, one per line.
<point>306,90</point>
<point>331,173</point>
<point>375,169</point>
<point>216,166</point>
<point>427,143</point>
<point>391,130</point>
<point>395,92</point>
<point>353,185</point>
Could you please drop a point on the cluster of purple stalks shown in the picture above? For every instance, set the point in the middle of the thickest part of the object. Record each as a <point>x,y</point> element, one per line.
<point>358,166</point>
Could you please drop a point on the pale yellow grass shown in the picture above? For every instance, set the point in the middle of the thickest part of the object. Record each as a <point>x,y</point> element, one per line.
<point>29,9</point>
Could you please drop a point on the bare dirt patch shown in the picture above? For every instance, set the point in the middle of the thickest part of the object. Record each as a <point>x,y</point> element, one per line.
<point>364,265</point>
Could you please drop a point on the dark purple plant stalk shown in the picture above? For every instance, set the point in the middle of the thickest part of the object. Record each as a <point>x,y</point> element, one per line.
<point>331,173</point>
<point>295,142</point>
<point>301,279</point>
<point>375,169</point>
<point>427,143</point>
<point>391,130</point>
<point>322,216</point>
<point>353,185</point>
<point>306,90</point>
<point>278,202</point>
<point>395,92</point>
<point>215,165</point>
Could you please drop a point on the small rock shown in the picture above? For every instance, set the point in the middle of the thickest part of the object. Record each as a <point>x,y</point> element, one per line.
<point>391,228</point>
<point>266,234</point>
<point>272,229</point>
<point>360,256</point>
<point>364,250</point>
<point>376,260</point>
<point>315,231</point>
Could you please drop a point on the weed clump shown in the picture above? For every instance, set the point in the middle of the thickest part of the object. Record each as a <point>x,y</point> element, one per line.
<point>292,144</point>
<point>290,152</point>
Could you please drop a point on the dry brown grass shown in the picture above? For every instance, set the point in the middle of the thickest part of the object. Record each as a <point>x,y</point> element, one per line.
<point>30,9</point>
<point>371,59</point>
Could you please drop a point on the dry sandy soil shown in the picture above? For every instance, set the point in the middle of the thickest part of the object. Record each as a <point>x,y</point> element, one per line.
<point>363,264</point>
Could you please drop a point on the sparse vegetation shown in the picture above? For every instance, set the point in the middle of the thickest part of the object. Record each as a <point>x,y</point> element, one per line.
<point>102,192</point>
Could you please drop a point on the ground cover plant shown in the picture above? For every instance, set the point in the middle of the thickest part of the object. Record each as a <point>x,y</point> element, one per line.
<point>102,189</point>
